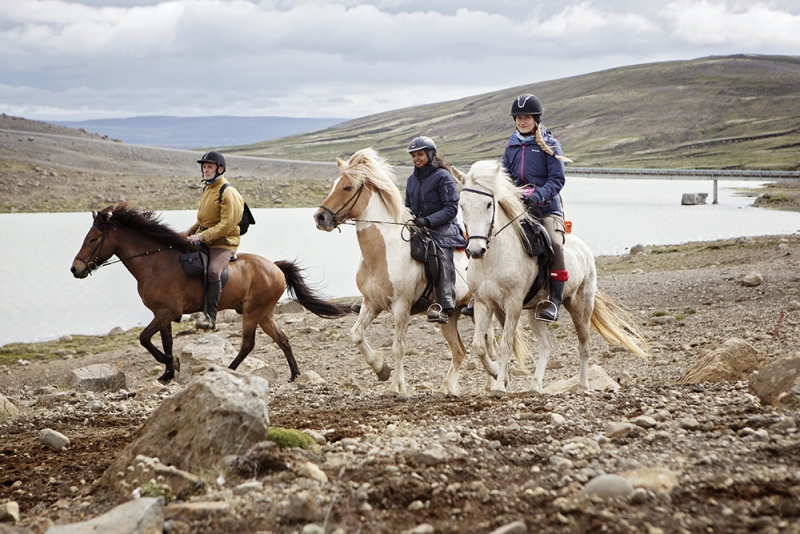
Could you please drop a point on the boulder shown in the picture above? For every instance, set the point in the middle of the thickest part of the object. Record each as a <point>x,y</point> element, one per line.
<point>731,362</point>
<point>7,408</point>
<point>752,279</point>
<point>693,199</point>
<point>98,377</point>
<point>778,383</point>
<point>638,249</point>
<point>219,412</point>
<point>139,516</point>
<point>598,379</point>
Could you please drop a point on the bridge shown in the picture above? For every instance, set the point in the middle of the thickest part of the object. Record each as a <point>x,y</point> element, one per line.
<point>684,174</point>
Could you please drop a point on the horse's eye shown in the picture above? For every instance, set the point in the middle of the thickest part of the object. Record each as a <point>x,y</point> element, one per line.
<point>348,188</point>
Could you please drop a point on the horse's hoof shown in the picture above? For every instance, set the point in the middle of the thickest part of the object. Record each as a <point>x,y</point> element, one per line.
<point>384,373</point>
<point>293,377</point>
<point>167,377</point>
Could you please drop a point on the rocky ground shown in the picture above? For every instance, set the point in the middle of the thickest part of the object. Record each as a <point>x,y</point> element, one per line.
<point>735,462</point>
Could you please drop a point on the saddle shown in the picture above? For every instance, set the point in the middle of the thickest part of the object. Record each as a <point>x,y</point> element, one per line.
<point>537,245</point>
<point>196,264</point>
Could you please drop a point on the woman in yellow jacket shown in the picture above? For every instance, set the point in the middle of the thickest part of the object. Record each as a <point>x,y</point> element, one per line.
<point>217,227</point>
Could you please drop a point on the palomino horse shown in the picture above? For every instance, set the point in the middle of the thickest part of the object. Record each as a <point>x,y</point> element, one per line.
<point>150,250</point>
<point>501,275</point>
<point>388,278</point>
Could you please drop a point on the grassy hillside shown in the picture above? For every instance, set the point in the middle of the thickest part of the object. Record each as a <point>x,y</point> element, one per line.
<point>734,112</point>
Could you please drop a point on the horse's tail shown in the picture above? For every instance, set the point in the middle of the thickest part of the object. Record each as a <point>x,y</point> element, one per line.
<point>617,326</point>
<point>306,296</point>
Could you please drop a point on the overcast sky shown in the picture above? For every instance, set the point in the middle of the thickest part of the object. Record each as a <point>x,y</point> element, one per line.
<point>62,60</point>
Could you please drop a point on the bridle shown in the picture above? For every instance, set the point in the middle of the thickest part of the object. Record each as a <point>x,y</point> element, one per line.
<point>92,264</point>
<point>338,216</point>
<point>490,235</point>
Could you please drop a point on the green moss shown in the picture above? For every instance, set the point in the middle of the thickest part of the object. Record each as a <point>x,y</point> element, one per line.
<point>287,438</point>
<point>156,490</point>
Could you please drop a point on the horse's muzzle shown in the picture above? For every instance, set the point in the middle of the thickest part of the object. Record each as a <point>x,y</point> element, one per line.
<point>79,269</point>
<point>475,252</point>
<point>324,220</point>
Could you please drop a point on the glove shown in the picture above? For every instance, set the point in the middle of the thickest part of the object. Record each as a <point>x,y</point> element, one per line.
<point>422,222</point>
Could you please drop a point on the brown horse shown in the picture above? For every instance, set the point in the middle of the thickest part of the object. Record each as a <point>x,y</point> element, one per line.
<point>150,250</point>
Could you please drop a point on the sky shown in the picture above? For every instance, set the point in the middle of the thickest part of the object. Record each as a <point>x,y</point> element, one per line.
<point>93,59</point>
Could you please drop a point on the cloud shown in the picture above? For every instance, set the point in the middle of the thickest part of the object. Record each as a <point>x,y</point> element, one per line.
<point>96,58</point>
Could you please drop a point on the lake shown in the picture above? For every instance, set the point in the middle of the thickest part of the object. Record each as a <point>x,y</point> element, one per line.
<point>40,299</point>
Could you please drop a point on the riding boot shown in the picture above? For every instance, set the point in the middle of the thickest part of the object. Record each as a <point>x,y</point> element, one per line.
<point>469,309</point>
<point>356,306</point>
<point>209,319</point>
<point>445,289</point>
<point>549,314</point>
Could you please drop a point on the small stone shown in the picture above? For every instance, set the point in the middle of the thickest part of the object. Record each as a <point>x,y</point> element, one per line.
<point>416,506</point>
<point>517,527</point>
<point>424,528</point>
<point>9,512</point>
<point>644,421</point>
<point>689,423</point>
<point>621,430</point>
<point>608,486</point>
<point>639,496</point>
<point>752,279</point>
<point>312,471</point>
<point>557,419</point>
<point>53,439</point>
<point>316,436</point>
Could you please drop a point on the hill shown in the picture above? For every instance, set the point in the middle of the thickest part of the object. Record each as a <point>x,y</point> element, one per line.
<point>45,167</point>
<point>199,132</point>
<point>733,112</point>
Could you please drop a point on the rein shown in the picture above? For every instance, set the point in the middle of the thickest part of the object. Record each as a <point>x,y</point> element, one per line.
<point>92,265</point>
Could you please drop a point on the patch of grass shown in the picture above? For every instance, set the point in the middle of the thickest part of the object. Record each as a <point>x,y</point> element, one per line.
<point>287,438</point>
<point>659,313</point>
<point>77,346</point>
<point>149,489</point>
<point>678,317</point>
<point>689,311</point>
<point>553,326</point>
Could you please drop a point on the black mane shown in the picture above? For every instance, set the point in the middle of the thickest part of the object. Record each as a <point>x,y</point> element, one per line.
<point>145,222</point>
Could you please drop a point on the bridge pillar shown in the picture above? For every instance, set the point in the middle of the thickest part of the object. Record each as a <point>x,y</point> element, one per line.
<point>714,201</point>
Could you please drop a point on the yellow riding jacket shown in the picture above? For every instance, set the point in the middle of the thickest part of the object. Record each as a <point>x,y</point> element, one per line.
<point>218,222</point>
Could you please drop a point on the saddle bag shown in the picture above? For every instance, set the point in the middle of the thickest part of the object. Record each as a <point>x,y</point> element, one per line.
<point>535,240</point>
<point>192,263</point>
<point>420,246</point>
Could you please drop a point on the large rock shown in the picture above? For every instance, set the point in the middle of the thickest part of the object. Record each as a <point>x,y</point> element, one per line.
<point>209,351</point>
<point>219,412</point>
<point>7,408</point>
<point>140,516</point>
<point>778,383</point>
<point>598,379</point>
<point>733,361</point>
<point>98,377</point>
<point>693,199</point>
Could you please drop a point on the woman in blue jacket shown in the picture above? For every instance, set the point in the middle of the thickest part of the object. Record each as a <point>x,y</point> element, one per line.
<point>534,160</point>
<point>432,197</point>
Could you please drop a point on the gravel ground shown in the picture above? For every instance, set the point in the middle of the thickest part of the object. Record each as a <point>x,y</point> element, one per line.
<point>720,461</point>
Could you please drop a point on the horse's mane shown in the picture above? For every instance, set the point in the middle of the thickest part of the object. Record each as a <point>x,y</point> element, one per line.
<point>367,167</point>
<point>145,222</point>
<point>490,175</point>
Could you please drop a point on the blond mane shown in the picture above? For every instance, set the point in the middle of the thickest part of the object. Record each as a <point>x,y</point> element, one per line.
<point>366,167</point>
<point>490,175</point>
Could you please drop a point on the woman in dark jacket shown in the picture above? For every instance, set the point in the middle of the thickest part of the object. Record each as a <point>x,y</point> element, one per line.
<point>535,161</point>
<point>432,197</point>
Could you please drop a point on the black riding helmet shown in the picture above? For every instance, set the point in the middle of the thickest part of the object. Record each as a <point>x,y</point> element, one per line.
<point>423,143</point>
<point>216,158</point>
<point>527,105</point>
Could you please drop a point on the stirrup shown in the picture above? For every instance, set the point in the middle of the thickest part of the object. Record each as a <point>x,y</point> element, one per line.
<point>539,310</point>
<point>436,314</point>
<point>205,323</point>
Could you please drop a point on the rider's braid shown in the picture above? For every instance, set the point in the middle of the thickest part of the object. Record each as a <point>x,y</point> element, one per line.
<point>545,147</point>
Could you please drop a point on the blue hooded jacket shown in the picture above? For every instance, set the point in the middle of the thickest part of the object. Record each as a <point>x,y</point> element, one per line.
<point>528,164</point>
<point>431,193</point>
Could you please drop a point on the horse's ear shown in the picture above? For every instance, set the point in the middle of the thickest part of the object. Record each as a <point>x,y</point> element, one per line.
<point>457,174</point>
<point>94,215</point>
<point>339,162</point>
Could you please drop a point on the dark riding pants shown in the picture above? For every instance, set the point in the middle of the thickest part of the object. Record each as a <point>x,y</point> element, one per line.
<point>445,285</point>
<point>218,259</point>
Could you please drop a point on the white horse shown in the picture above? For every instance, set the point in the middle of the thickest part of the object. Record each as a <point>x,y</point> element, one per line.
<point>501,274</point>
<point>388,278</point>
